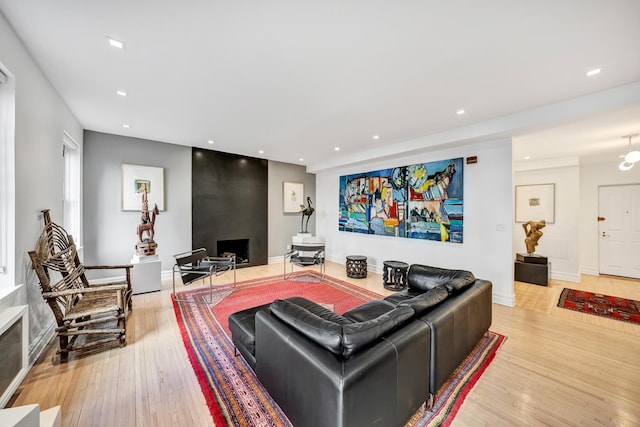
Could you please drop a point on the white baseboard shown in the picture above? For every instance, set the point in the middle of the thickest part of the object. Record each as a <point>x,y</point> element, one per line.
<point>275,260</point>
<point>164,275</point>
<point>590,271</point>
<point>39,344</point>
<point>509,301</point>
<point>567,277</point>
<point>103,280</point>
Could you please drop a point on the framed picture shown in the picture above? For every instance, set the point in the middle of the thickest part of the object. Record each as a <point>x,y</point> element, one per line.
<point>135,178</point>
<point>535,203</point>
<point>292,196</point>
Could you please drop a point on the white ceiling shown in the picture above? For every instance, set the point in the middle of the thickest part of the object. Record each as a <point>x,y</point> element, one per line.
<point>297,79</point>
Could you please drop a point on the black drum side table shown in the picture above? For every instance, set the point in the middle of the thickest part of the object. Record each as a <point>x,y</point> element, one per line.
<point>394,275</point>
<point>356,266</point>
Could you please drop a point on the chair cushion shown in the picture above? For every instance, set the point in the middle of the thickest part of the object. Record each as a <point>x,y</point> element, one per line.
<point>426,277</point>
<point>356,336</point>
<point>424,302</point>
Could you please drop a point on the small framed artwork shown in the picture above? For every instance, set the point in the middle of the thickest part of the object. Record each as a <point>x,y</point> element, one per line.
<point>293,196</point>
<point>137,178</point>
<point>535,203</point>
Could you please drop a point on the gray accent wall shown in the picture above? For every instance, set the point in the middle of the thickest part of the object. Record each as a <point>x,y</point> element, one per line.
<point>41,118</point>
<point>282,226</point>
<point>110,234</point>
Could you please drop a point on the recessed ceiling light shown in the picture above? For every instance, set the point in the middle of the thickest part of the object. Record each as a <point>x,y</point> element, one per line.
<point>121,93</point>
<point>527,157</point>
<point>593,72</point>
<point>115,43</point>
<point>301,159</point>
<point>260,151</point>
<point>126,126</point>
<point>337,149</point>
<point>376,136</point>
<point>460,112</point>
<point>210,141</point>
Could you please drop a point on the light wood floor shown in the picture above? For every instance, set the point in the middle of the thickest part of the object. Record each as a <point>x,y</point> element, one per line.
<point>557,367</point>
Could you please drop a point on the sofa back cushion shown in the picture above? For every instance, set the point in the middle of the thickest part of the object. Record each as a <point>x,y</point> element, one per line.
<point>338,335</point>
<point>425,277</point>
<point>319,310</point>
<point>358,335</point>
<point>326,333</point>
<point>424,302</point>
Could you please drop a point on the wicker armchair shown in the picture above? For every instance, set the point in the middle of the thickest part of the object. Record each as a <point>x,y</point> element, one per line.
<point>98,313</point>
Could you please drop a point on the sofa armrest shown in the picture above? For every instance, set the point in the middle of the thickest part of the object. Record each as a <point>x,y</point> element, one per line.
<point>457,325</point>
<point>383,385</point>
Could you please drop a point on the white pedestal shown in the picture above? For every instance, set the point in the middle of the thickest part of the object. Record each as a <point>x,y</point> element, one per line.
<point>307,239</point>
<point>145,274</point>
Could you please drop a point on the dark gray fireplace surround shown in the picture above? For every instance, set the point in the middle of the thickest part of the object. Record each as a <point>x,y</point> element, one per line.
<point>229,203</point>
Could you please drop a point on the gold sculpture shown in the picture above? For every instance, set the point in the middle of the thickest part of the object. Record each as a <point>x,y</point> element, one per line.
<point>533,233</point>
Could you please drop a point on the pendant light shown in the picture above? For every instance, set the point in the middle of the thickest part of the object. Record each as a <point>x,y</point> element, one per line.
<point>625,166</point>
<point>631,157</point>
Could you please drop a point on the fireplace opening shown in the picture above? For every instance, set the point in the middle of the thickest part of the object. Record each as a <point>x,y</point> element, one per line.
<point>238,247</point>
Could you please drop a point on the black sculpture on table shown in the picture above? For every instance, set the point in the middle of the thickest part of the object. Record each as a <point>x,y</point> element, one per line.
<point>308,211</point>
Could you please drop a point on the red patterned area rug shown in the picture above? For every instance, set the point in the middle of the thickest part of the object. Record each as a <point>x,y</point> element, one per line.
<point>627,310</point>
<point>234,395</point>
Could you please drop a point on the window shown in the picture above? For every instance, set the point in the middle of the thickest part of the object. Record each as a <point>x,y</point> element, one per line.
<point>71,190</point>
<point>7,178</point>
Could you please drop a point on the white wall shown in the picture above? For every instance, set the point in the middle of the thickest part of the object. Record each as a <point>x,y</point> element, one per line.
<point>488,205</point>
<point>41,117</point>
<point>560,242</point>
<point>591,177</point>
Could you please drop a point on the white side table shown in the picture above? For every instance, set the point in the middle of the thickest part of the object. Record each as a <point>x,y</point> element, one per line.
<point>145,274</point>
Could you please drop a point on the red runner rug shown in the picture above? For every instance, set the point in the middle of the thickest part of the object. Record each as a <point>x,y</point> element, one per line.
<point>235,396</point>
<point>627,310</point>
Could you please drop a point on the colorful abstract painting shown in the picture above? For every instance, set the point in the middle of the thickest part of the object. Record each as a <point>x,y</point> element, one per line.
<point>421,201</point>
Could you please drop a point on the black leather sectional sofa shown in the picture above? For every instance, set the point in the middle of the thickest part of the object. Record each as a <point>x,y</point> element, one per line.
<point>374,365</point>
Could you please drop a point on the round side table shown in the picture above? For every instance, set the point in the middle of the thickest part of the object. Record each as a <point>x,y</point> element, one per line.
<point>394,275</point>
<point>356,266</point>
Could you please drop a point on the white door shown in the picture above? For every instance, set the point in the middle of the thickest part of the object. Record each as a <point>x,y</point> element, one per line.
<point>619,230</point>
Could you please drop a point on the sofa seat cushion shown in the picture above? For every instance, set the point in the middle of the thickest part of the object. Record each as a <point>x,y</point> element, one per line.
<point>242,325</point>
<point>369,310</point>
<point>425,277</point>
<point>426,301</point>
<point>359,335</point>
